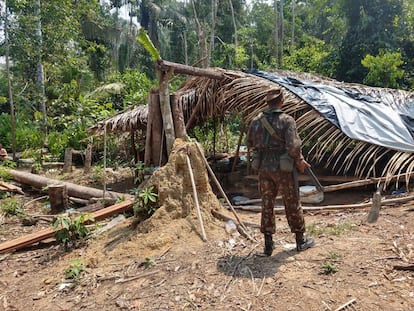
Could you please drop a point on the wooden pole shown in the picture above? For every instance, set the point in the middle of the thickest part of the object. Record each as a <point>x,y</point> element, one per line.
<point>200,219</point>
<point>165,105</point>
<point>376,205</point>
<point>178,115</point>
<point>88,159</point>
<point>67,167</point>
<point>236,157</point>
<point>223,193</point>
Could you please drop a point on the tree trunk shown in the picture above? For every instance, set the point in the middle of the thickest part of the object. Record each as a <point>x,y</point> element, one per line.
<point>236,41</point>
<point>40,73</point>
<point>276,31</point>
<point>58,198</point>
<point>165,105</point>
<point>39,182</point>
<point>292,41</point>
<point>282,29</point>
<point>9,84</point>
<point>153,140</point>
<point>201,37</point>
<point>213,26</point>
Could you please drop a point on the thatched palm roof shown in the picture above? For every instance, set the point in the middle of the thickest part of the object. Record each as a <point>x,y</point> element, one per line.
<point>134,118</point>
<point>244,94</point>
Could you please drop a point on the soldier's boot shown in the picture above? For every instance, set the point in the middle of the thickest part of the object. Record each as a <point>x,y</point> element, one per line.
<point>268,250</point>
<point>302,242</point>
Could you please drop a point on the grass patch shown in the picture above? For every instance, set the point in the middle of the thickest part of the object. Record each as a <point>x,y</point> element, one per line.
<point>337,229</point>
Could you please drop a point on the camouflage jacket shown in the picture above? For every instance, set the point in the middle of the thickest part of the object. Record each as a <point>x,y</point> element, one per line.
<point>269,148</point>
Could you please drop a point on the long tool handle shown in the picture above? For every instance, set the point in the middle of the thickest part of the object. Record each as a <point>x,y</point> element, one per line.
<point>315,180</point>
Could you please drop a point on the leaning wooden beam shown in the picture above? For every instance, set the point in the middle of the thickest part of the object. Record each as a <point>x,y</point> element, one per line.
<point>281,209</point>
<point>41,235</point>
<point>359,183</point>
<point>10,188</point>
<point>164,65</point>
<point>74,190</point>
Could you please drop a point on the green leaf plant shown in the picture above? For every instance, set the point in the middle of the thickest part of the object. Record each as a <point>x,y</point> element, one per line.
<point>71,230</point>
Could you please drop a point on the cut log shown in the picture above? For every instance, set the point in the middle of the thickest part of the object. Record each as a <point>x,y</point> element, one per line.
<point>58,198</point>
<point>41,235</point>
<point>74,190</point>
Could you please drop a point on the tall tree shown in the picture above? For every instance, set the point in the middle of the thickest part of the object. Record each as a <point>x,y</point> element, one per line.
<point>372,25</point>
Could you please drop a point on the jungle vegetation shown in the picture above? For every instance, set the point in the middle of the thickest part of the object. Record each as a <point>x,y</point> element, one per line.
<point>67,64</point>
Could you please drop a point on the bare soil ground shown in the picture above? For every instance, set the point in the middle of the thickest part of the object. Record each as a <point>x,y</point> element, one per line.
<point>163,264</point>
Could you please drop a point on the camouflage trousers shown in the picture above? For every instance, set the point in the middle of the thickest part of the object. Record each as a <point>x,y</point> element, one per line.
<point>269,185</point>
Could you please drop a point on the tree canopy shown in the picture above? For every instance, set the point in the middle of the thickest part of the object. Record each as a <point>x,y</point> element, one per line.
<point>62,51</point>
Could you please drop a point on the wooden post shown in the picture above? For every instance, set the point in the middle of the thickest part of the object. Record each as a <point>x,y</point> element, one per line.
<point>67,167</point>
<point>236,157</point>
<point>178,115</point>
<point>376,205</point>
<point>58,197</point>
<point>198,210</point>
<point>165,105</point>
<point>88,159</point>
<point>153,139</point>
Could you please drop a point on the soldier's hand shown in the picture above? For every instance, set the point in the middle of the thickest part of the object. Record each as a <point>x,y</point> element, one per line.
<point>302,165</point>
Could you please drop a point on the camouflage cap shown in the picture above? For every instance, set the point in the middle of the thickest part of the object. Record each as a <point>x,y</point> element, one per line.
<point>275,95</point>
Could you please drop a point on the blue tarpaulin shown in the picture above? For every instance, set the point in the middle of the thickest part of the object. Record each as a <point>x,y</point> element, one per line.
<point>366,118</point>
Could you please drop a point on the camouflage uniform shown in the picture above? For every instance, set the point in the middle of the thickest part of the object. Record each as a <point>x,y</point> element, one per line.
<point>271,178</point>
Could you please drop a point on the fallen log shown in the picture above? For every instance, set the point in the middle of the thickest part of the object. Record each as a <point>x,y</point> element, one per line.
<point>74,190</point>
<point>41,235</point>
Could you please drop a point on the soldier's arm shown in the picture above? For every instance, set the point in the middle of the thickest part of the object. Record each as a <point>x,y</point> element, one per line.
<point>294,145</point>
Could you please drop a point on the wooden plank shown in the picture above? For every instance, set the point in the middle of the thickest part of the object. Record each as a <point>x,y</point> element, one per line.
<point>35,237</point>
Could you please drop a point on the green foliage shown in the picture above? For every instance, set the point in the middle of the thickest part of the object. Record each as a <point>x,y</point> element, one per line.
<point>329,268</point>
<point>139,171</point>
<point>146,42</point>
<point>69,230</point>
<point>98,173</point>
<point>12,207</point>
<point>149,262</point>
<point>145,201</point>
<point>336,229</point>
<point>384,69</point>
<point>4,173</point>
<point>136,87</point>
<point>219,134</point>
<point>75,269</point>
<point>28,134</point>
<point>313,57</point>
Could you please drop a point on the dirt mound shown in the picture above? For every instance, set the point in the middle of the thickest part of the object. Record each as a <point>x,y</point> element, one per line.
<point>175,222</point>
<point>173,184</point>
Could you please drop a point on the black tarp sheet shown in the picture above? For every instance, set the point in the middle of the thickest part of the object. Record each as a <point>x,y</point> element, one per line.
<point>366,118</point>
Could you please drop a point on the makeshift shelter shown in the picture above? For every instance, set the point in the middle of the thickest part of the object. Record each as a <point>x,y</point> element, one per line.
<point>370,144</point>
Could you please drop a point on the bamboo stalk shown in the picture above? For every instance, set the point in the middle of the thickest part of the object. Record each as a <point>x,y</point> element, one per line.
<point>200,219</point>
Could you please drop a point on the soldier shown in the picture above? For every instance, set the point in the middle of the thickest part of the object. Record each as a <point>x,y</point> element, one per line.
<point>277,155</point>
